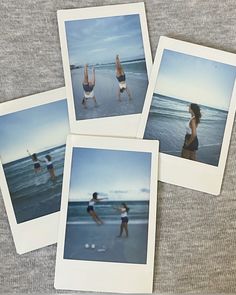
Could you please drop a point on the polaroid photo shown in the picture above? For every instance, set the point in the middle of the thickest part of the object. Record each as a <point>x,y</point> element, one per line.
<point>107,61</point>
<point>33,133</point>
<point>107,227</point>
<point>189,108</point>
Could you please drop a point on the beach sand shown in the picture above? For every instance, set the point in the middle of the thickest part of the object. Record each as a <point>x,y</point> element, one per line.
<point>124,250</point>
<point>106,90</point>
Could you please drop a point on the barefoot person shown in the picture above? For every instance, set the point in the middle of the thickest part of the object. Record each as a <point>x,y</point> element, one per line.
<point>120,75</point>
<point>90,208</point>
<point>124,219</point>
<point>36,162</point>
<point>191,141</point>
<point>88,87</point>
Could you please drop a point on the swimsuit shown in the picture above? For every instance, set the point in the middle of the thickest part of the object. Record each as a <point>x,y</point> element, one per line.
<point>90,206</point>
<point>122,83</point>
<point>194,144</point>
<point>124,216</point>
<point>49,164</point>
<point>36,165</point>
<point>88,90</point>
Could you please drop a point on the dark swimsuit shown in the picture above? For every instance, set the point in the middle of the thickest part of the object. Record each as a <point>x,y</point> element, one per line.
<point>121,79</point>
<point>50,166</point>
<point>36,166</point>
<point>88,88</point>
<point>194,144</point>
<point>90,208</point>
<point>124,219</point>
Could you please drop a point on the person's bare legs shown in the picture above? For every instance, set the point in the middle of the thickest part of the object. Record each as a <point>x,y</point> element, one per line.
<point>121,230</point>
<point>86,74</point>
<point>119,69</point>
<point>52,174</point>
<point>192,155</point>
<point>126,229</point>
<point>185,154</point>
<point>93,78</point>
<point>95,217</point>
<point>128,92</point>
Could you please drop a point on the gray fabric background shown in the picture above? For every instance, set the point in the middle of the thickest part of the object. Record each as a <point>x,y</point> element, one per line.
<point>196,232</point>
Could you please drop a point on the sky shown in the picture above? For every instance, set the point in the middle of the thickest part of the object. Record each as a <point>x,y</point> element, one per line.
<point>118,175</point>
<point>195,79</point>
<point>99,40</point>
<point>36,129</point>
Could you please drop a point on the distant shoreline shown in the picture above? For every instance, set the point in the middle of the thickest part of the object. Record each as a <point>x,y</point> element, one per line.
<point>187,101</point>
<point>73,67</point>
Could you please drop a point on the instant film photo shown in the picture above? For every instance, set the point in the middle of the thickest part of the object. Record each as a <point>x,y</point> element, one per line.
<point>33,133</point>
<point>189,108</point>
<point>108,215</point>
<point>107,60</point>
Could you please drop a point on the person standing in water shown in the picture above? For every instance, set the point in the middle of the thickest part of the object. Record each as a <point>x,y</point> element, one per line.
<point>124,219</point>
<point>36,162</point>
<point>120,75</point>
<point>90,208</point>
<point>50,168</point>
<point>88,87</point>
<point>190,146</point>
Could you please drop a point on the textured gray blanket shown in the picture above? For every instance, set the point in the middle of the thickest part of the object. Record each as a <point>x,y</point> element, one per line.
<point>196,236</point>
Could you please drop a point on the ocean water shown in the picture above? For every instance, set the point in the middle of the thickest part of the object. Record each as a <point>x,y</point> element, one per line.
<point>167,122</point>
<point>136,67</point>
<point>35,195</point>
<point>106,90</point>
<point>138,213</point>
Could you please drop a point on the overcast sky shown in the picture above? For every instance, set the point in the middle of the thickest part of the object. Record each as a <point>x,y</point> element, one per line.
<point>37,129</point>
<point>118,175</point>
<point>196,79</point>
<point>98,40</point>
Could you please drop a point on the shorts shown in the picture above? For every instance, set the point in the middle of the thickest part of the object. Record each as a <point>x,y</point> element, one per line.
<point>88,88</point>
<point>90,208</point>
<point>37,166</point>
<point>49,167</point>
<point>124,219</point>
<point>191,147</point>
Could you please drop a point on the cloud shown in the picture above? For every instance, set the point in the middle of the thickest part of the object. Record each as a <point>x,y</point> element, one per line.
<point>119,192</point>
<point>114,38</point>
<point>145,190</point>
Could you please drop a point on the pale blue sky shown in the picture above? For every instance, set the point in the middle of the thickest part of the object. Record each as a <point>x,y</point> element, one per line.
<point>98,40</point>
<point>195,79</point>
<point>37,129</point>
<point>118,175</point>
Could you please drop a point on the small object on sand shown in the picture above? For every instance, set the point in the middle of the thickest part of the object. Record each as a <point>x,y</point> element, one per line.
<point>93,246</point>
<point>86,246</point>
<point>103,249</point>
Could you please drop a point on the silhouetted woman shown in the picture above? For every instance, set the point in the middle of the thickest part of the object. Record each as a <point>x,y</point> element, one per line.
<point>191,140</point>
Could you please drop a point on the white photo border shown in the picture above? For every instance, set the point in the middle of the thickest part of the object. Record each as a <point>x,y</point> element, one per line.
<point>109,126</point>
<point>110,277</point>
<point>42,231</point>
<point>176,170</point>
